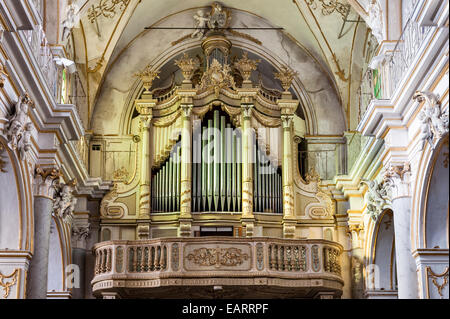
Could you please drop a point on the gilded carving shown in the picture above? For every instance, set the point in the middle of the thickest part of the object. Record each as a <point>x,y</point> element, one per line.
<point>188,66</point>
<point>121,174</point>
<point>107,201</point>
<point>434,278</point>
<point>218,257</point>
<point>246,66</point>
<point>285,75</point>
<point>331,6</point>
<point>331,260</point>
<point>7,286</point>
<point>217,77</point>
<point>107,9</point>
<point>147,76</point>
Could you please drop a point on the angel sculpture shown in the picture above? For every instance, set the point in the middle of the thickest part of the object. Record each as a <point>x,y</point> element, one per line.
<point>24,144</point>
<point>201,24</point>
<point>72,18</point>
<point>64,203</point>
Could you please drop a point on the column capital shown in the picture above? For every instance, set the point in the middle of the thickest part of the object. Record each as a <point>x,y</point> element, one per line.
<point>186,110</point>
<point>286,120</point>
<point>145,106</point>
<point>247,111</point>
<point>398,179</point>
<point>45,180</point>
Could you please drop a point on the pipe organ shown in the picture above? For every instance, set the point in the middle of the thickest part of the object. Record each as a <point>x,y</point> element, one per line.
<point>216,167</point>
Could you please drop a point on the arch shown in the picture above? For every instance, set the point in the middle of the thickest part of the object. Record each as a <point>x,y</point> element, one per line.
<point>429,210</point>
<point>120,87</point>
<point>380,267</point>
<point>16,220</point>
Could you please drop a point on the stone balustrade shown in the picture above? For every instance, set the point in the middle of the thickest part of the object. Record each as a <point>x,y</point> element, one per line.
<point>303,267</point>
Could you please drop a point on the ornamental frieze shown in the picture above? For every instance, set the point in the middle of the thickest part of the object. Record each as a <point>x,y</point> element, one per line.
<point>218,257</point>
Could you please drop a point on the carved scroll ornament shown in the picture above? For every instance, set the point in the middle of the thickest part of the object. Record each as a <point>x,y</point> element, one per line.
<point>218,257</point>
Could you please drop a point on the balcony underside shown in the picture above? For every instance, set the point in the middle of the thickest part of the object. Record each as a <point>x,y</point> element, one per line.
<point>218,267</point>
<point>216,288</point>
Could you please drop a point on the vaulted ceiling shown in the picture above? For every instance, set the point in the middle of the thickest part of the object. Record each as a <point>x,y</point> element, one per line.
<point>333,32</point>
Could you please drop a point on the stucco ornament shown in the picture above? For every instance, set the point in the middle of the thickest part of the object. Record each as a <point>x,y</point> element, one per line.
<point>71,20</point>
<point>64,203</point>
<point>378,197</point>
<point>434,123</point>
<point>375,20</point>
<point>18,129</point>
<point>201,22</point>
<point>219,17</point>
<point>217,77</point>
<point>80,232</point>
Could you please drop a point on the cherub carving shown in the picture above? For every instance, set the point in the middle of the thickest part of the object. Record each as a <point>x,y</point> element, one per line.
<point>202,20</point>
<point>64,204</point>
<point>24,144</point>
<point>377,198</point>
<point>18,121</point>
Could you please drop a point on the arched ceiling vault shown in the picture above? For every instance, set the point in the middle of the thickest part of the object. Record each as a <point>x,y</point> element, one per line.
<point>320,31</point>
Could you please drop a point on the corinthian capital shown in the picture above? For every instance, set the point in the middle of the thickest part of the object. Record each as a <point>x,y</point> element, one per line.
<point>398,180</point>
<point>186,110</point>
<point>45,181</point>
<point>286,120</point>
<point>247,111</point>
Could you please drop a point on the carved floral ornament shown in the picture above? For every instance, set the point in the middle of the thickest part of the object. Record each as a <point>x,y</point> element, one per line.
<point>188,66</point>
<point>246,66</point>
<point>434,122</point>
<point>147,76</point>
<point>218,257</point>
<point>285,75</point>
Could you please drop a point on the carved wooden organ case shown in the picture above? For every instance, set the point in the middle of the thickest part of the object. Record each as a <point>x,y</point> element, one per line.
<point>217,144</point>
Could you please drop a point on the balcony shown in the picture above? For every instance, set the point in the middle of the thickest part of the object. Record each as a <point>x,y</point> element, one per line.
<point>218,267</point>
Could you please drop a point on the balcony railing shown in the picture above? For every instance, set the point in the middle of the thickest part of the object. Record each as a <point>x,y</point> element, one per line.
<point>376,86</point>
<point>176,261</point>
<point>43,54</point>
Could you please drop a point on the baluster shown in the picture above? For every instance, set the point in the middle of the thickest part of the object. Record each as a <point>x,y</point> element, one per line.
<point>294,258</point>
<point>272,257</point>
<point>108,259</point>
<point>157,257</point>
<point>103,261</point>
<point>163,257</point>
<point>97,268</point>
<point>280,257</point>
<point>143,259</point>
<point>135,252</point>
<point>287,257</point>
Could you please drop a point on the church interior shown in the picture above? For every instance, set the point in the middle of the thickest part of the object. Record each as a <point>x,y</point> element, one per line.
<point>238,149</point>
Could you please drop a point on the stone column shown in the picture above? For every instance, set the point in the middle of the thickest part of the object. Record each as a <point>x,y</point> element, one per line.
<point>248,219</point>
<point>185,219</point>
<point>45,180</point>
<point>80,233</point>
<point>144,107</point>
<point>288,185</point>
<point>398,179</point>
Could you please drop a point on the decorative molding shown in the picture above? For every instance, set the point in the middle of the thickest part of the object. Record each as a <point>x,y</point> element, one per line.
<point>7,286</point>
<point>434,123</point>
<point>218,257</point>
<point>18,129</point>
<point>107,8</point>
<point>3,74</point>
<point>2,162</point>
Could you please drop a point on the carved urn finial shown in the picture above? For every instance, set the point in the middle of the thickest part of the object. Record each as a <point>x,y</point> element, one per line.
<point>285,75</point>
<point>188,66</point>
<point>147,76</point>
<point>246,66</point>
